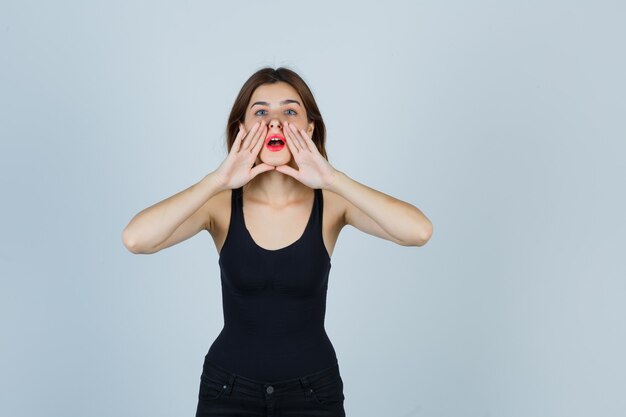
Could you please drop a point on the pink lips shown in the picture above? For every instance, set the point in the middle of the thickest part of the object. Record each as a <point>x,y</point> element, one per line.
<point>275,148</point>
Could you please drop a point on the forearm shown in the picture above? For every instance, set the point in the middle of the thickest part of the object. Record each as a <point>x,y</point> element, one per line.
<point>400,219</point>
<point>156,223</point>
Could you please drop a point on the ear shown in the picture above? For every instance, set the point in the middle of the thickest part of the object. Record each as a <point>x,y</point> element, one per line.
<point>310,128</point>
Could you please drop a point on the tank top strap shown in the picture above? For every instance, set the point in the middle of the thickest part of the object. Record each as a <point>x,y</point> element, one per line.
<point>318,207</point>
<point>236,197</point>
<point>314,229</point>
<point>317,231</point>
<point>235,209</point>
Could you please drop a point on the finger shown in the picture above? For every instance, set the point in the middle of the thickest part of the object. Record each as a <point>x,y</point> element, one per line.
<point>308,141</point>
<point>292,147</point>
<point>256,148</point>
<point>286,169</point>
<point>289,136</point>
<point>253,130</point>
<point>259,137</point>
<point>237,142</point>
<point>296,134</point>
<point>260,169</point>
<point>260,132</point>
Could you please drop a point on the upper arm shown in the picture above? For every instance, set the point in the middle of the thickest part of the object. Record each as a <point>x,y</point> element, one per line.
<point>354,216</point>
<point>198,221</point>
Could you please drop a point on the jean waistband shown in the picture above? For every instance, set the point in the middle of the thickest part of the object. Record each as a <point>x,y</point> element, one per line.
<point>258,388</point>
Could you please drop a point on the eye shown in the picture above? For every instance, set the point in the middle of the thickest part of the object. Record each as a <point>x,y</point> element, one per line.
<point>292,114</point>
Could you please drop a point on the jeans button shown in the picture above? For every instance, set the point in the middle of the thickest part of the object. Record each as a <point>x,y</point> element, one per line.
<point>270,389</point>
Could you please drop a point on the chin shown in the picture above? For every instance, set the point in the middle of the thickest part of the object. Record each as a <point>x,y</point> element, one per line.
<point>274,158</point>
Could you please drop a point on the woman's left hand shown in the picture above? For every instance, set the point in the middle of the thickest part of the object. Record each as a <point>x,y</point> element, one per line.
<point>314,170</point>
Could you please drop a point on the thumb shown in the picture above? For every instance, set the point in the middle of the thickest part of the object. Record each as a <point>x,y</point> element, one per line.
<point>286,169</point>
<point>258,169</point>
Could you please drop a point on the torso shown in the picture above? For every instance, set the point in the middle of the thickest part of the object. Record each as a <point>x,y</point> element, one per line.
<point>276,228</point>
<point>274,272</point>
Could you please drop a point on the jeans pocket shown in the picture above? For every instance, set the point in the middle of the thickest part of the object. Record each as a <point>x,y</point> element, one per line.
<point>328,392</point>
<point>210,388</point>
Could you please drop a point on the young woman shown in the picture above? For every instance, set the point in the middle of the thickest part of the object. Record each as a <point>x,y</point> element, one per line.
<point>274,207</point>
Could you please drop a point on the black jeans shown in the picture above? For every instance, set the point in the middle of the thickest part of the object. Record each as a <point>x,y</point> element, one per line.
<point>224,394</point>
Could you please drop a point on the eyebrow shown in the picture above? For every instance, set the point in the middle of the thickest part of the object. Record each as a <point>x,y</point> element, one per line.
<point>282,103</point>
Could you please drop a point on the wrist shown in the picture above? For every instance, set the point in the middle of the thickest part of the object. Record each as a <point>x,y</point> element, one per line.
<point>334,179</point>
<point>215,181</point>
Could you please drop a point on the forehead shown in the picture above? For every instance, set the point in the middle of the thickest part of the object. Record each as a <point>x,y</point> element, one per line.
<point>273,93</point>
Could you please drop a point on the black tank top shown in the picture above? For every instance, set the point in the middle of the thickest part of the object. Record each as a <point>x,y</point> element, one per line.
<point>274,302</point>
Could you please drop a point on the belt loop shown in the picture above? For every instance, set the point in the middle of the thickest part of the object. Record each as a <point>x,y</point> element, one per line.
<point>306,386</point>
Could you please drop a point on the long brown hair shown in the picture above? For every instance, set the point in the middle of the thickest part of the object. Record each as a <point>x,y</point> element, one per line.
<point>270,75</point>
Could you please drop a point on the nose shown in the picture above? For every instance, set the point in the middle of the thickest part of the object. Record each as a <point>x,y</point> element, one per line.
<point>274,123</point>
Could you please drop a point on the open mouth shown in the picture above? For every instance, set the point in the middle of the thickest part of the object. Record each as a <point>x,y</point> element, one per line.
<point>275,143</point>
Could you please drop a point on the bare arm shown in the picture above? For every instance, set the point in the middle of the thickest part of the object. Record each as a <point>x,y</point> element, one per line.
<point>184,214</point>
<point>172,220</point>
<point>367,209</point>
<point>382,215</point>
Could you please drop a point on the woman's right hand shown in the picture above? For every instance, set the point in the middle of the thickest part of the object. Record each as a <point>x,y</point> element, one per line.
<point>237,169</point>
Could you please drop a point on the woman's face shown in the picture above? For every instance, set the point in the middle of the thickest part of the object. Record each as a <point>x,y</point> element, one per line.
<point>276,104</point>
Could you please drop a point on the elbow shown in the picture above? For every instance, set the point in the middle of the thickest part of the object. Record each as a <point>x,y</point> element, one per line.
<point>130,242</point>
<point>427,234</point>
<point>423,236</point>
